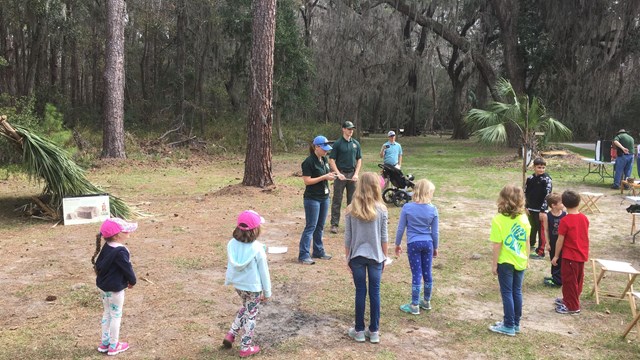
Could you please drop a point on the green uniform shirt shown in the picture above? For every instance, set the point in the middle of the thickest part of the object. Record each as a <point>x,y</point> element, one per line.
<point>346,154</point>
<point>512,234</point>
<point>313,167</point>
<point>625,140</point>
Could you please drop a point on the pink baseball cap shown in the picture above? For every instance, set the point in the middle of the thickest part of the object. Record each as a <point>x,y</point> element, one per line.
<point>114,226</point>
<point>249,218</point>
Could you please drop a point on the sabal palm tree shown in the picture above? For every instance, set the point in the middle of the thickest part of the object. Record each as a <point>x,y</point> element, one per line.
<point>527,115</point>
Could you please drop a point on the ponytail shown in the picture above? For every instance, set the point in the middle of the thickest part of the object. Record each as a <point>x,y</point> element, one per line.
<point>95,254</point>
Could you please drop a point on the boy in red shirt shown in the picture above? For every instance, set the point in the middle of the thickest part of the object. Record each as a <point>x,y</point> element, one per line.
<point>573,242</point>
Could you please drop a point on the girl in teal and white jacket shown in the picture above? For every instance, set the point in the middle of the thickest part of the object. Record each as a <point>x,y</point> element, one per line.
<point>248,272</point>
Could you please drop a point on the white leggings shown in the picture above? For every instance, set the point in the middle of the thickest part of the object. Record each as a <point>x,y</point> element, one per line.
<point>112,316</point>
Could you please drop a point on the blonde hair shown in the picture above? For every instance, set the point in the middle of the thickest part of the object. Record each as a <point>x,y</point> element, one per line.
<point>367,197</point>
<point>511,201</point>
<point>423,191</point>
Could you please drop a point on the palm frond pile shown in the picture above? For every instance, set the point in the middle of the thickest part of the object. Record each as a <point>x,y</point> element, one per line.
<point>46,161</point>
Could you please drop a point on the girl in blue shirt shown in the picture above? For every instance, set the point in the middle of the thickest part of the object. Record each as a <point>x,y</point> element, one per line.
<point>420,219</point>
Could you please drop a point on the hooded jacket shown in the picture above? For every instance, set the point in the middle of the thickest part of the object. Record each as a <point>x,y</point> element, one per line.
<point>247,267</point>
<point>114,270</point>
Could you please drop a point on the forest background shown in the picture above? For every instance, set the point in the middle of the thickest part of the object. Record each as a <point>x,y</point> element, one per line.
<point>395,64</point>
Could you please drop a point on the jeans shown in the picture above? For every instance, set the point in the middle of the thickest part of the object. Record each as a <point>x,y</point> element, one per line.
<point>420,255</point>
<point>623,166</point>
<point>510,281</point>
<point>315,213</point>
<point>338,192</point>
<point>360,267</point>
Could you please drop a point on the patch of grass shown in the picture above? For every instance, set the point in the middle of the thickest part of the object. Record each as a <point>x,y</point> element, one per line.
<point>193,327</point>
<point>29,290</point>
<point>189,263</point>
<point>291,346</point>
<point>179,229</point>
<point>386,354</point>
<point>84,296</point>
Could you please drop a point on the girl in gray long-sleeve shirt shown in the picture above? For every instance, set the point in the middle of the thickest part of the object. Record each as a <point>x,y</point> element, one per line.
<point>365,243</point>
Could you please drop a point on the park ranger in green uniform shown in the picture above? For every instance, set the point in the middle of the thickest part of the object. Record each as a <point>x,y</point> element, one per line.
<point>345,160</point>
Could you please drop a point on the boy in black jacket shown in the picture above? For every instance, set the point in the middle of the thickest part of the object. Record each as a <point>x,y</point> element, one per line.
<point>536,189</point>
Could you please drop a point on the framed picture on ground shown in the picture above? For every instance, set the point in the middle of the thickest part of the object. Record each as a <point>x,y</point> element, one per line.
<point>85,209</point>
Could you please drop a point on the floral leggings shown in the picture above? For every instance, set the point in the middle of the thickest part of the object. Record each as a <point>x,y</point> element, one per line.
<point>246,317</point>
<point>112,301</point>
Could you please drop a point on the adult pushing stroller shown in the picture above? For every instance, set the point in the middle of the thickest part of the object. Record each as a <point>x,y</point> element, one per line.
<point>401,189</point>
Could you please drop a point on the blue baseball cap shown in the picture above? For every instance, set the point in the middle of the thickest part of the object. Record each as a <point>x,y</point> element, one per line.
<point>322,142</point>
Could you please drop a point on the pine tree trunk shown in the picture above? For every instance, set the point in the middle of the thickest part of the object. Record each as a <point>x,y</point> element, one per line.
<point>181,19</point>
<point>257,166</point>
<point>113,122</point>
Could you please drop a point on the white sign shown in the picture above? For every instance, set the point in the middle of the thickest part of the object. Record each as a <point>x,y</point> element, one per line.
<point>85,209</point>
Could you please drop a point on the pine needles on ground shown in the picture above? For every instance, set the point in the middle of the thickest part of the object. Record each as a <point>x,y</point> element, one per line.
<point>44,160</point>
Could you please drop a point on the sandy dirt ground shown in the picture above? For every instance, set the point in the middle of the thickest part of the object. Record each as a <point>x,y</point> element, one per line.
<point>180,308</point>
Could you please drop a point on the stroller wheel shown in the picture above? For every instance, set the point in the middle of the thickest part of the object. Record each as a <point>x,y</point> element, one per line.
<point>401,198</point>
<point>388,195</point>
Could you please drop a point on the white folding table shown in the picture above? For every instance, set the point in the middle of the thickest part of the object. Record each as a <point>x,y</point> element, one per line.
<point>635,200</point>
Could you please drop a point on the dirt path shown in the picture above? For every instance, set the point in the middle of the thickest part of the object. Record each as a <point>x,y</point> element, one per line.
<point>183,310</point>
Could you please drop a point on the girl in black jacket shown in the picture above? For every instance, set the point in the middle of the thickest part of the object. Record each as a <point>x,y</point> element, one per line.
<point>114,273</point>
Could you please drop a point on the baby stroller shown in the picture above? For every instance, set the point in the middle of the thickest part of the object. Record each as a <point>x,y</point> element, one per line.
<point>401,188</point>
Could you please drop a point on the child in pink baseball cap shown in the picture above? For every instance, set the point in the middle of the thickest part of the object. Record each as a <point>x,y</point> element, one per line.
<point>248,272</point>
<point>114,273</point>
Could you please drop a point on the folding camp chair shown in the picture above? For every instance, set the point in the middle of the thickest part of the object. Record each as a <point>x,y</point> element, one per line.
<point>634,313</point>
<point>589,201</point>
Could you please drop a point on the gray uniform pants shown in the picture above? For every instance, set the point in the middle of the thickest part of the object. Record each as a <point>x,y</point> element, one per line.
<point>338,191</point>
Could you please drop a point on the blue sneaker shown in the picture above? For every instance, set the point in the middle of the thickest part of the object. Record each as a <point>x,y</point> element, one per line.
<point>425,304</point>
<point>502,330</point>
<point>515,328</point>
<point>558,302</point>
<point>562,309</point>
<point>410,309</point>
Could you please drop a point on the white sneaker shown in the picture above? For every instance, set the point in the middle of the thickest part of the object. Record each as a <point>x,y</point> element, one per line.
<point>374,337</point>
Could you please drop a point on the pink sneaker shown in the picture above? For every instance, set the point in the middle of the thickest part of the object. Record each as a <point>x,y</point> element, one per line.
<point>121,347</point>
<point>103,348</point>
<point>251,350</point>
<point>228,340</point>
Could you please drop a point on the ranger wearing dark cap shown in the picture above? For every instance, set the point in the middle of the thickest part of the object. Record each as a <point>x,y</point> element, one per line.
<point>345,160</point>
<point>624,162</point>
